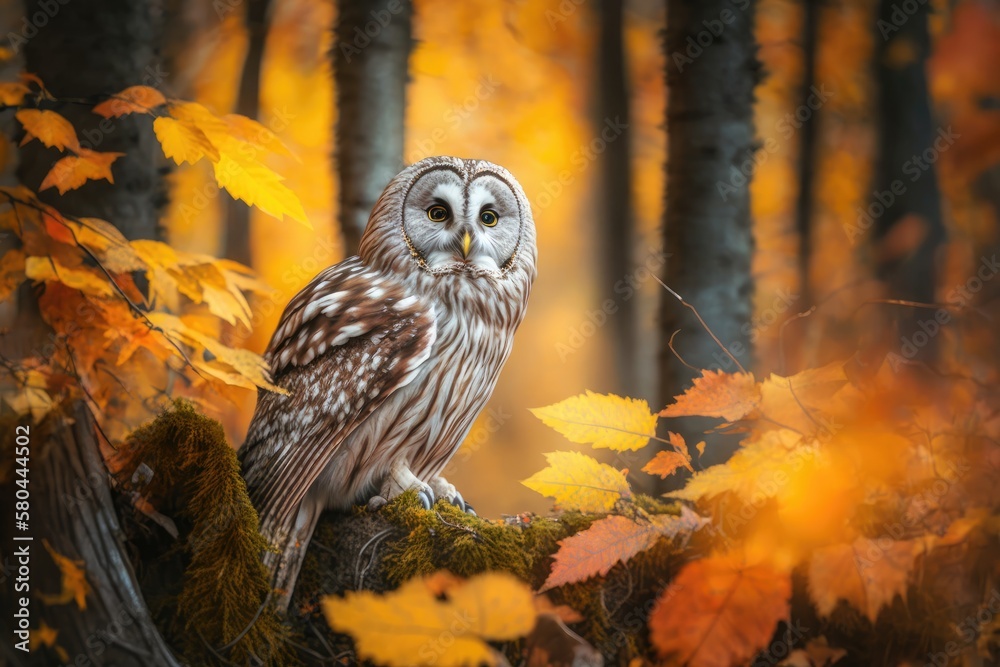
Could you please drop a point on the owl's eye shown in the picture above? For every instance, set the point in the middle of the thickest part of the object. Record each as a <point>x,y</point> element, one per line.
<point>489,218</point>
<point>437,213</point>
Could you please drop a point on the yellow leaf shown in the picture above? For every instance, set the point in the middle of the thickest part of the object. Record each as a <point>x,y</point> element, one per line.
<point>604,420</point>
<point>72,171</point>
<point>74,581</point>
<point>730,396</point>
<point>11,272</point>
<point>258,186</point>
<point>12,93</point>
<point>32,396</point>
<point>246,368</point>
<point>435,622</point>
<point>579,482</point>
<point>48,269</point>
<point>135,99</point>
<point>255,134</point>
<point>754,471</point>
<point>50,128</point>
<point>866,573</point>
<point>183,142</point>
<point>107,243</point>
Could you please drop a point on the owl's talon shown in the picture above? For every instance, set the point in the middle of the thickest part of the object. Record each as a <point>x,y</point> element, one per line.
<point>469,510</point>
<point>426,498</point>
<point>457,500</point>
<point>376,503</point>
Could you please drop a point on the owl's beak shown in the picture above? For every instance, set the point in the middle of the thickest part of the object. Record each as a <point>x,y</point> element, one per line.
<point>466,244</point>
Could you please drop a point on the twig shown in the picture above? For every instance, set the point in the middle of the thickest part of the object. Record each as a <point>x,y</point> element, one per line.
<point>703,324</point>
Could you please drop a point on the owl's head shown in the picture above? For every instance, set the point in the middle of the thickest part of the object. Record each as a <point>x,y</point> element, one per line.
<point>451,216</point>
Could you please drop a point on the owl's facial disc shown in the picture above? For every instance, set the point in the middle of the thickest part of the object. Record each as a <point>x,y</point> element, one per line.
<point>458,225</point>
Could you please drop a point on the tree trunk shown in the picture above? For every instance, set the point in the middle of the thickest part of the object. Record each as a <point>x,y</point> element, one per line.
<point>616,227</point>
<point>807,150</point>
<point>247,104</point>
<point>83,52</point>
<point>370,62</point>
<point>72,514</point>
<point>711,73</point>
<point>911,228</point>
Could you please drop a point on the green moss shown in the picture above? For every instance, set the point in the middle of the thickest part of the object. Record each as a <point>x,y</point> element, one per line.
<point>182,464</point>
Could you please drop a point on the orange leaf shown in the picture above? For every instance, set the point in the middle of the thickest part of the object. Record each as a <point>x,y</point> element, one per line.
<point>719,611</point>
<point>11,272</point>
<point>56,226</point>
<point>612,540</point>
<point>50,128</point>
<point>12,93</point>
<point>665,464</point>
<point>74,581</point>
<point>137,99</point>
<point>730,396</point>
<point>866,573</point>
<point>72,171</point>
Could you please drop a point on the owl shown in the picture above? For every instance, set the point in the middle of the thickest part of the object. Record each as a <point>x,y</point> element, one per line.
<point>387,357</point>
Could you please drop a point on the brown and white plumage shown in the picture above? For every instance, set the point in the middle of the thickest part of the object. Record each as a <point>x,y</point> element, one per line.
<point>388,357</point>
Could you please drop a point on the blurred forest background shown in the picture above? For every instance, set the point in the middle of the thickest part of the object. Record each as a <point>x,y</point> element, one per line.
<point>856,102</point>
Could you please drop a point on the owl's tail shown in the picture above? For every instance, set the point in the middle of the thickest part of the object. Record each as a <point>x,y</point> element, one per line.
<point>289,544</point>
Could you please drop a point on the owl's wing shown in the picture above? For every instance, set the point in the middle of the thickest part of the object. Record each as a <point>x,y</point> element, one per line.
<point>345,343</point>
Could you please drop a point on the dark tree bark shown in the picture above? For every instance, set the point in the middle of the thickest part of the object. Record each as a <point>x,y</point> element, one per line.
<point>706,230</point>
<point>370,62</point>
<point>616,228</point>
<point>247,104</point>
<point>82,52</point>
<point>807,150</point>
<point>907,130</point>
<point>73,513</point>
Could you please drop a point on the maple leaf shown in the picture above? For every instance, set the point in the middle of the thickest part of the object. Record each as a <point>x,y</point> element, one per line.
<point>579,482</point>
<point>48,269</point>
<point>666,463</point>
<point>866,573</point>
<point>438,621</point>
<point>604,420</point>
<point>135,99</point>
<point>72,171</point>
<point>613,540</point>
<point>752,470</point>
<point>57,227</point>
<point>50,128</point>
<point>12,93</point>
<point>719,611</point>
<point>74,581</point>
<point>11,272</point>
<point>731,396</point>
<point>183,142</point>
